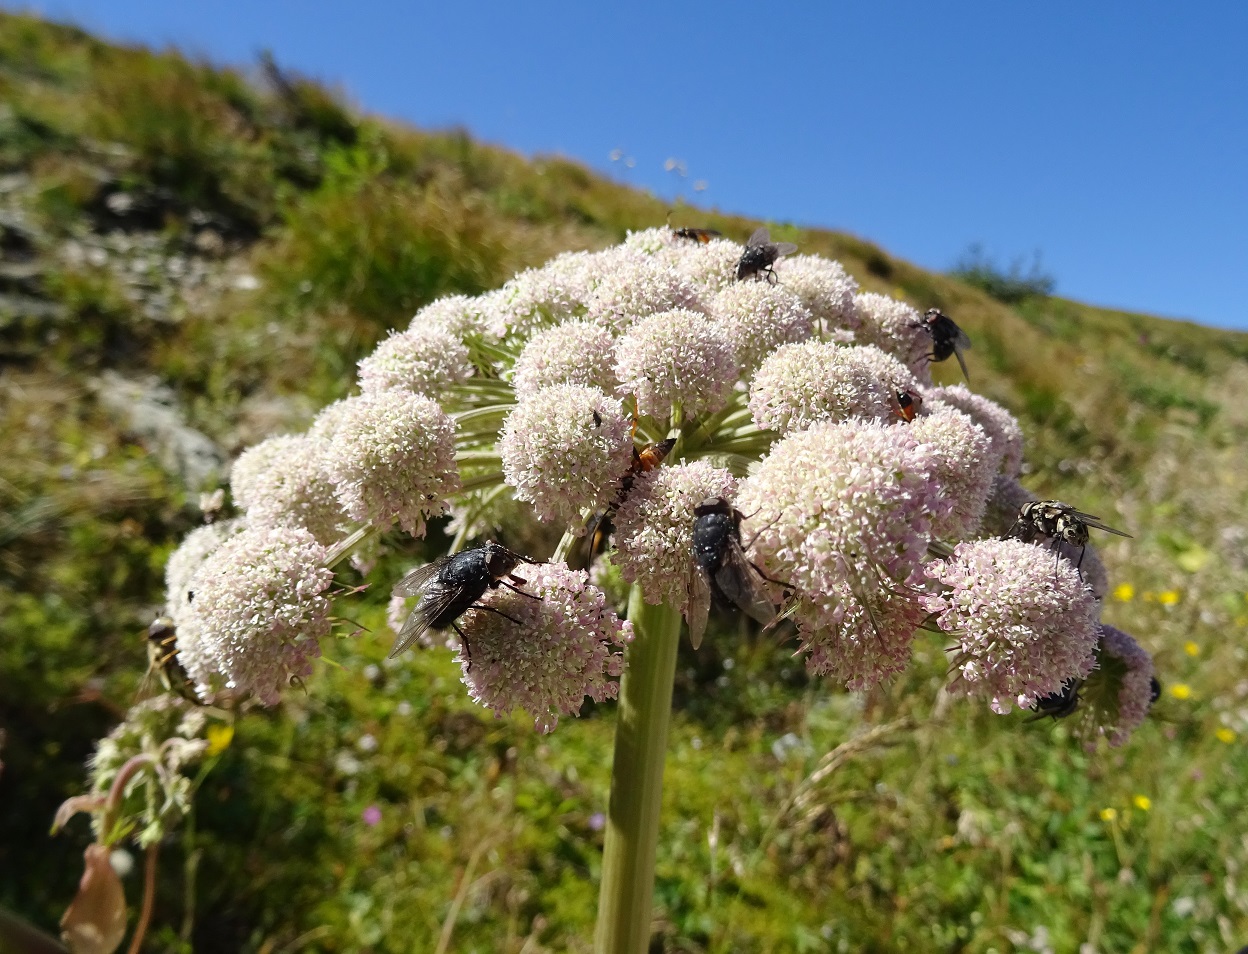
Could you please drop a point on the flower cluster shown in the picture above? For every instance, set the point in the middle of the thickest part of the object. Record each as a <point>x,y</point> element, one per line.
<point>544,650</point>
<point>1024,622</point>
<point>676,359</point>
<point>1117,696</point>
<point>845,512</point>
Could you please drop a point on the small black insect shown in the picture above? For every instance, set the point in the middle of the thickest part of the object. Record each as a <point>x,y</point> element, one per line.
<point>162,658</point>
<point>721,571</point>
<point>948,340</point>
<point>760,255</point>
<point>907,405</point>
<point>1060,704</point>
<point>451,585</point>
<point>697,235</point>
<point>1059,522</point>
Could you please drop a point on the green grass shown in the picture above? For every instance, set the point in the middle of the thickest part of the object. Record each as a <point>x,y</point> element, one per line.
<point>967,832</point>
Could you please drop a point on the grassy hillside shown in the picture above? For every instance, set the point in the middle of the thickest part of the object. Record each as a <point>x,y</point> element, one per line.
<point>191,259</point>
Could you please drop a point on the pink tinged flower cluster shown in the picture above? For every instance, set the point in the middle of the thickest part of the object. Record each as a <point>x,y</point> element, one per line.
<point>259,610</point>
<point>650,241</point>
<point>428,361</point>
<point>999,424</point>
<point>637,287</point>
<point>759,318</point>
<point>552,654</point>
<point>844,513</point>
<point>284,482</point>
<point>823,287</point>
<point>654,527</point>
<point>393,458</point>
<point>564,449</point>
<point>1120,706</point>
<point>817,381</point>
<point>966,465</point>
<point>1024,622</point>
<point>538,297</point>
<point>575,352</point>
<point>896,328</point>
<point>456,315</point>
<point>676,359</point>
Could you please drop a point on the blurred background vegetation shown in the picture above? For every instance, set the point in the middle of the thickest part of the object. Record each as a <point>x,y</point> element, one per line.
<point>192,258</point>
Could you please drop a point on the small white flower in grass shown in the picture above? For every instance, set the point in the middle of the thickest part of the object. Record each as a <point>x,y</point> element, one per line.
<point>676,358</point>
<point>823,287</point>
<point>393,458</point>
<point>1024,621</point>
<point>711,267</point>
<point>575,352</point>
<point>260,610</point>
<point>967,462</point>
<point>843,513</point>
<point>999,424</point>
<point>284,481</point>
<point>428,361</point>
<point>554,651</point>
<point>636,287</point>
<point>817,381</point>
<point>759,318</point>
<point>897,329</point>
<point>1117,696</point>
<point>564,449</point>
<point>654,527</point>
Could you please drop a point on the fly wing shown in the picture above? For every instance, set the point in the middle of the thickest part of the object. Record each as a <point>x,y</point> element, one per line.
<point>742,586</point>
<point>783,248</point>
<point>699,605</point>
<point>1092,521</point>
<point>760,237</point>
<point>958,348</point>
<point>962,340</point>
<point>433,603</point>
<point>415,581</point>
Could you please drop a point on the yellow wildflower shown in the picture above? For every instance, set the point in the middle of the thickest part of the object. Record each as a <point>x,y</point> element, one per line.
<point>1191,648</point>
<point>1181,690</point>
<point>1225,735</point>
<point>1109,814</point>
<point>1124,592</point>
<point>219,738</point>
<point>1168,597</point>
<point>1142,802</point>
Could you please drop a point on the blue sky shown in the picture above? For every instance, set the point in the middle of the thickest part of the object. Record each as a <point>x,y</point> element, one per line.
<point>1110,137</point>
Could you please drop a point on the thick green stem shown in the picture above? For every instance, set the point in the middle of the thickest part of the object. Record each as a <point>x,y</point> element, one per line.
<point>626,894</point>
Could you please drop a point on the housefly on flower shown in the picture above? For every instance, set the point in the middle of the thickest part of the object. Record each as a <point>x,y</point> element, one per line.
<point>1059,522</point>
<point>451,585</point>
<point>948,340</point>
<point>907,404</point>
<point>162,659</point>
<point>760,255</point>
<point>721,571</point>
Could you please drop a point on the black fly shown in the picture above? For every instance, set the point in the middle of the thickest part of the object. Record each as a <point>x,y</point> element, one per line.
<point>1060,704</point>
<point>721,570</point>
<point>760,255</point>
<point>1059,522</point>
<point>451,585</point>
<point>948,340</point>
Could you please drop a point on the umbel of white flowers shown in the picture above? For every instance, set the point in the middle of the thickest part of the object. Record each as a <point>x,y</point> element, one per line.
<point>529,404</point>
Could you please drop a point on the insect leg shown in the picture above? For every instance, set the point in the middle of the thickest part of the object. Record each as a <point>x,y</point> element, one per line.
<point>515,589</point>
<point>496,612</point>
<point>463,643</point>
